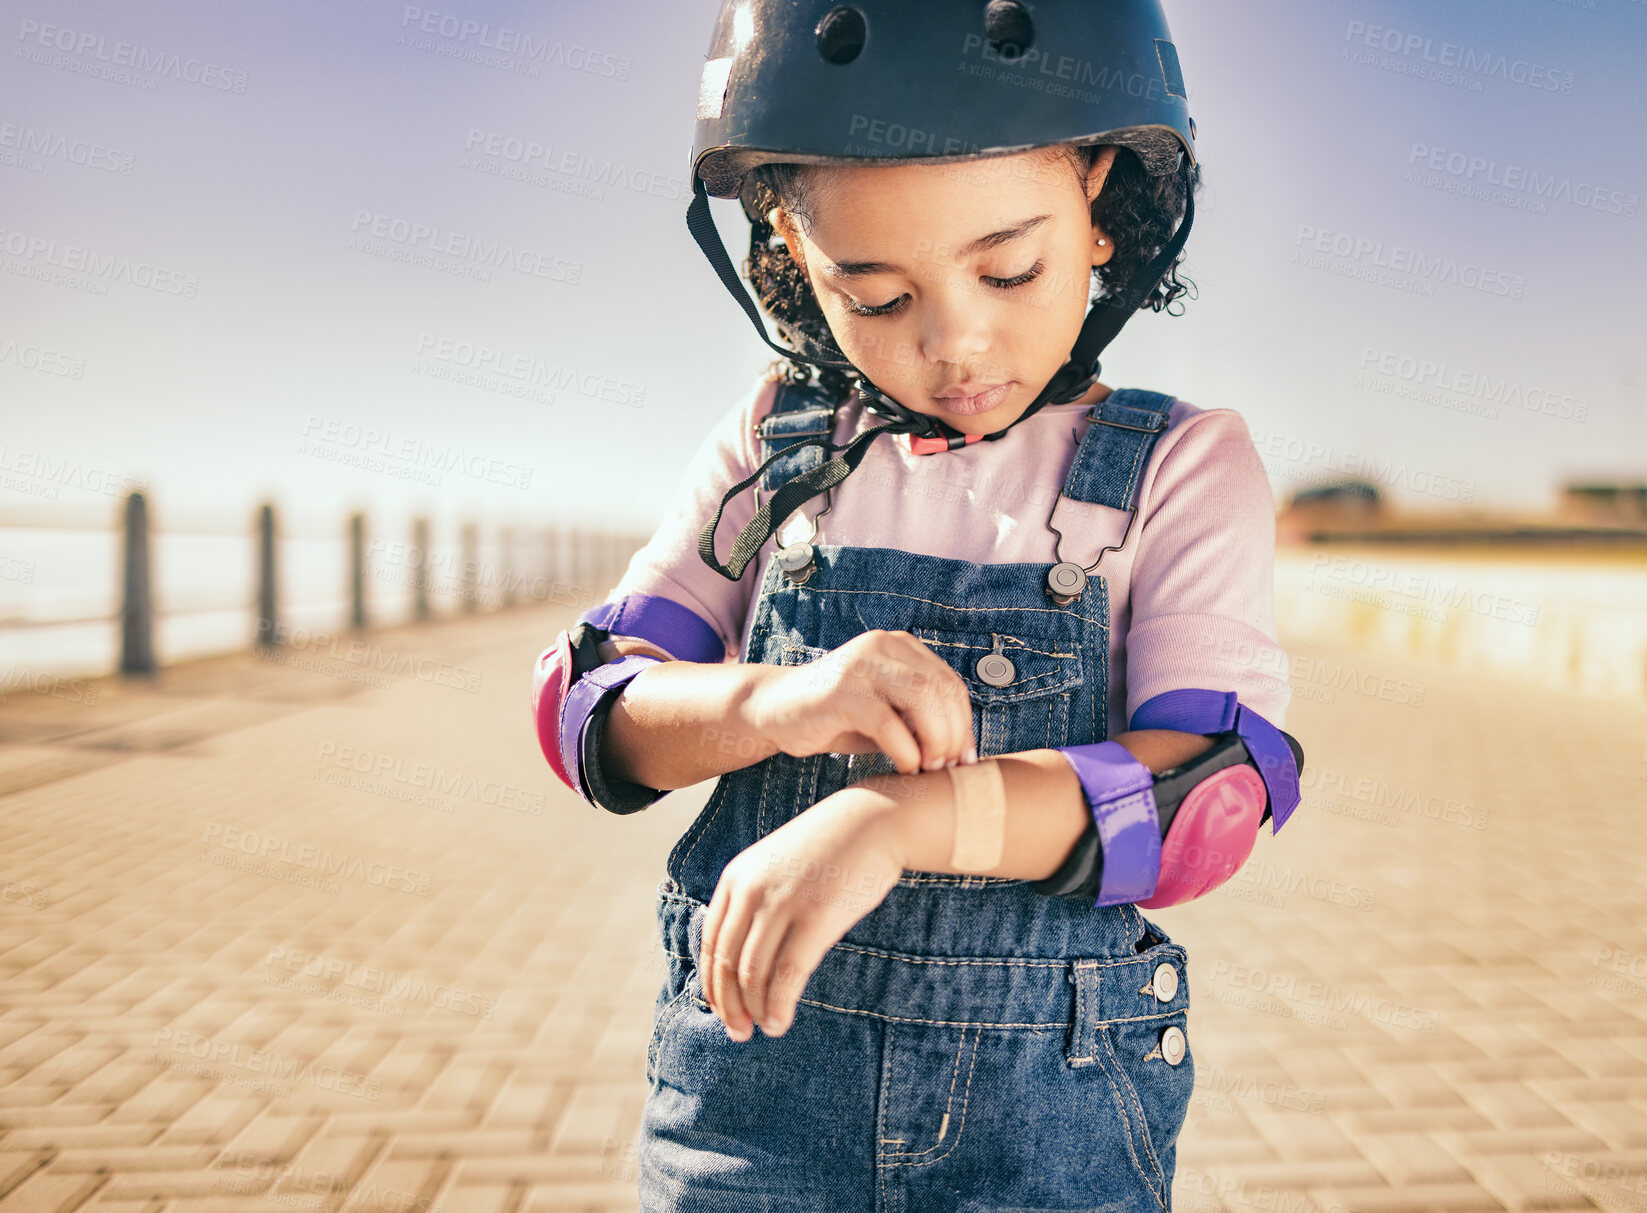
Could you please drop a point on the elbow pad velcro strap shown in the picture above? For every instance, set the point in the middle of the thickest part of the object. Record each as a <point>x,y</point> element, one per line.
<point>612,794</point>
<point>574,688</point>
<point>1277,755</point>
<point>1125,839</point>
<point>582,700</point>
<point>677,630</point>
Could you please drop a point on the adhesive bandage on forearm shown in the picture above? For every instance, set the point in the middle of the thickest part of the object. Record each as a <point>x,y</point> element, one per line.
<point>980,816</point>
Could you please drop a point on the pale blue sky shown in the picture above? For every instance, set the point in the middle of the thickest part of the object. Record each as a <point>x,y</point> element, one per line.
<point>338,120</point>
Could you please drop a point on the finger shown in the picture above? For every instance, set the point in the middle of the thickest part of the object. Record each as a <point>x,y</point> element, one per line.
<point>936,709</point>
<point>798,957</point>
<point>945,698</point>
<point>952,693</point>
<point>755,969</point>
<point>729,946</point>
<point>932,722</point>
<point>891,735</point>
<point>711,928</point>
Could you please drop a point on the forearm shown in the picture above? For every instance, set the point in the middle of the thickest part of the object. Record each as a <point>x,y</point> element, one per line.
<point>1046,811</point>
<point>680,722</point>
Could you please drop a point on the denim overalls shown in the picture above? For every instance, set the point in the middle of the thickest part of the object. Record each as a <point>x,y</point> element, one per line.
<point>971,1044</point>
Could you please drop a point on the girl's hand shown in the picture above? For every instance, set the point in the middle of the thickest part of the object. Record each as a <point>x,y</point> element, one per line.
<point>880,690</point>
<point>784,902</point>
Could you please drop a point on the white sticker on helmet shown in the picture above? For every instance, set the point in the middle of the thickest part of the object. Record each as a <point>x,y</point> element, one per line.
<point>712,87</point>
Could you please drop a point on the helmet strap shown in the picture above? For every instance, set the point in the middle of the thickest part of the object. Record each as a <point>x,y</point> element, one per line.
<point>702,226</point>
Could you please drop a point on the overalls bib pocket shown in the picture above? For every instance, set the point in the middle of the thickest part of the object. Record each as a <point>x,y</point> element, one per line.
<point>1020,685</point>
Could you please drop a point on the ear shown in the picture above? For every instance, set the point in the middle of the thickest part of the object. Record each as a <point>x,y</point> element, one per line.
<point>1099,172</point>
<point>1103,244</point>
<point>784,225</point>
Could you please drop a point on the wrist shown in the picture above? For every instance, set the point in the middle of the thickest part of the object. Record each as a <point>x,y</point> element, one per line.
<point>750,710</point>
<point>910,816</point>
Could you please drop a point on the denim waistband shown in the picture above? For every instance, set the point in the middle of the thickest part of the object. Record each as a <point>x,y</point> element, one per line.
<point>982,991</point>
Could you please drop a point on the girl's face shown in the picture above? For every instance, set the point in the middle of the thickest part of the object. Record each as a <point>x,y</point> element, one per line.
<point>958,289</point>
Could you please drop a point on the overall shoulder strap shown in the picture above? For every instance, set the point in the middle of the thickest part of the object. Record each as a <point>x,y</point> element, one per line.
<point>1112,455</point>
<point>799,411</point>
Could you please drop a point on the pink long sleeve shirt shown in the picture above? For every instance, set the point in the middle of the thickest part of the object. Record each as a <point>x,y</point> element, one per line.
<point>1192,594</point>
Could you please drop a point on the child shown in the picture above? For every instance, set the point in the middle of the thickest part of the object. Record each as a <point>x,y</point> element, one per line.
<point>920,870</point>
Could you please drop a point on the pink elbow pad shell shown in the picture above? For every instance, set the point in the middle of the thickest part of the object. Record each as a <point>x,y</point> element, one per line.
<point>1211,836</point>
<point>551,680</point>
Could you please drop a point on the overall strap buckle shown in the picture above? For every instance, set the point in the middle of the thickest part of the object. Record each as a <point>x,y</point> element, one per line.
<point>1108,466</point>
<point>798,411</point>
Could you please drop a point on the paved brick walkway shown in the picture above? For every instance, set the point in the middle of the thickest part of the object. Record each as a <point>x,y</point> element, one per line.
<point>276,937</point>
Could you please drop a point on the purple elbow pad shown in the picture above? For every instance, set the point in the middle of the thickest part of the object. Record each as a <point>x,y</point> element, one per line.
<point>1120,791</point>
<point>677,630</point>
<point>573,683</point>
<point>580,704</point>
<point>1194,710</point>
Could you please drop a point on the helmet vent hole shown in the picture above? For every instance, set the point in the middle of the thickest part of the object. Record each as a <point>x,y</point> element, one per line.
<point>1008,28</point>
<point>841,34</point>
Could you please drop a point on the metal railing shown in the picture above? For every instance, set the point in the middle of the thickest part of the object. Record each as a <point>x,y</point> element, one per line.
<point>567,566</point>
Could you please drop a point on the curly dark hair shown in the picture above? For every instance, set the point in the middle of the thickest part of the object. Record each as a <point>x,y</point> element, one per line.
<point>1140,210</point>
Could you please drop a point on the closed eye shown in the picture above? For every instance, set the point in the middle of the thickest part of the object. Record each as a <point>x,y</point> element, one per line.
<point>1007,284</point>
<point>1003,284</point>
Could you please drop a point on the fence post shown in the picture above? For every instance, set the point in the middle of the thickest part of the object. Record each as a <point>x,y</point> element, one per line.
<point>357,570</point>
<point>551,560</point>
<point>420,569</point>
<point>137,600</point>
<point>470,566</point>
<point>506,566</point>
<point>266,595</point>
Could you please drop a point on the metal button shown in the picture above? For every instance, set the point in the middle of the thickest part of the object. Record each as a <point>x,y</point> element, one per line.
<point>1065,578</point>
<point>796,561</point>
<point>794,557</point>
<point>1173,1045</point>
<point>1165,982</point>
<point>996,670</point>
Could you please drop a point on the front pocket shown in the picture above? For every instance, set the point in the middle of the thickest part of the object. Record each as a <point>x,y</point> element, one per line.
<point>800,654</point>
<point>930,1079</point>
<point>665,1018</point>
<point>1155,1092</point>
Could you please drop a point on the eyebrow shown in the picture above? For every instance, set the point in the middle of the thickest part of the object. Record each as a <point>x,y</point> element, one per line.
<point>861,269</point>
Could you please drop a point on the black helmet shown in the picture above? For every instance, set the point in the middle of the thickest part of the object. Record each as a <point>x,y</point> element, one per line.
<point>938,80</point>
<point>935,81</point>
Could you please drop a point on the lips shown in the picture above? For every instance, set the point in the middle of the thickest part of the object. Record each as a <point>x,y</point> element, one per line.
<point>979,399</point>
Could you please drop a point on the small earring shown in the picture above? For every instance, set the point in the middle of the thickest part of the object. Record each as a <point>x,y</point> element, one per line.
<point>1101,240</point>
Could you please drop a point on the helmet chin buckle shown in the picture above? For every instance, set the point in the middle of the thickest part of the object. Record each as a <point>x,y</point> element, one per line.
<point>936,445</point>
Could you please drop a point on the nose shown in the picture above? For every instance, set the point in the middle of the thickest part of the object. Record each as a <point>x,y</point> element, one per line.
<point>955,326</point>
